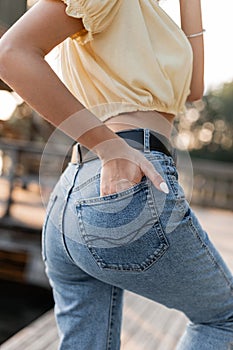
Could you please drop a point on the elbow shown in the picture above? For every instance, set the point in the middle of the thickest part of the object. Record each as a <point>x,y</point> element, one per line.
<point>196,88</point>
<point>13,55</point>
<point>3,61</point>
<point>196,95</point>
<point>7,54</point>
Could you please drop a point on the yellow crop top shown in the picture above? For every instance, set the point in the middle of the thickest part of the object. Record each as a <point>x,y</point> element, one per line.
<point>130,56</point>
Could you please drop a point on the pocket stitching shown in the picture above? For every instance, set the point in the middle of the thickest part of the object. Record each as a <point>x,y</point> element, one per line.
<point>145,265</point>
<point>180,199</point>
<point>149,260</point>
<point>114,196</point>
<point>86,183</point>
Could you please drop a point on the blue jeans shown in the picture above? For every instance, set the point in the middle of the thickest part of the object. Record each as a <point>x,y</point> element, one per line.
<point>141,240</point>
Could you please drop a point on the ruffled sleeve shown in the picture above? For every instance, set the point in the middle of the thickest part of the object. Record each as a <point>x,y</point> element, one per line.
<point>96,16</point>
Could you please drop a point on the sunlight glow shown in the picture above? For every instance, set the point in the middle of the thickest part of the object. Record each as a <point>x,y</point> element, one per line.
<point>8,105</point>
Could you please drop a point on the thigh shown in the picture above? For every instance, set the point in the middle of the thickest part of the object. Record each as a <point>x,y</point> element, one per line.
<point>194,278</point>
<point>88,311</point>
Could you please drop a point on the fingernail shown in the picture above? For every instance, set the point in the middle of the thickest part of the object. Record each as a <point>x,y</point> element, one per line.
<point>164,187</point>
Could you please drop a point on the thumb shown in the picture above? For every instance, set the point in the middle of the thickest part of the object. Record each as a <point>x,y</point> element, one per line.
<point>157,180</point>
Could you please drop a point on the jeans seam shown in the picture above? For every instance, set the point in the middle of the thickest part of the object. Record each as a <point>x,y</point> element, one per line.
<point>109,334</point>
<point>180,200</point>
<point>64,246</point>
<point>51,204</point>
<point>61,231</point>
<point>211,256</point>
<point>66,251</point>
<point>86,183</point>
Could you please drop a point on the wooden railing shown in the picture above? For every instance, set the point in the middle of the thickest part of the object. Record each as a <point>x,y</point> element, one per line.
<point>20,164</point>
<point>212,184</point>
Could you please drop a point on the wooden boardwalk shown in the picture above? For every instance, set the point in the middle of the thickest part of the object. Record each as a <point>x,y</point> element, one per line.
<point>146,325</point>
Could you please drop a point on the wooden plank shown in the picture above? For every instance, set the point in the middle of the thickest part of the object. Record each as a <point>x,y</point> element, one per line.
<point>146,324</point>
<point>41,333</point>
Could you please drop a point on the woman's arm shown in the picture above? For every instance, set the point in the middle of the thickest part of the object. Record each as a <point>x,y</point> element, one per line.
<point>23,67</point>
<point>191,23</point>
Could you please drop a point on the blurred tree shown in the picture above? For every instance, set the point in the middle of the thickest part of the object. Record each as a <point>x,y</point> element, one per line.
<point>206,129</point>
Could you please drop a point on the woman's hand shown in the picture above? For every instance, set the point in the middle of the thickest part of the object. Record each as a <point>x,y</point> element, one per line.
<point>124,166</point>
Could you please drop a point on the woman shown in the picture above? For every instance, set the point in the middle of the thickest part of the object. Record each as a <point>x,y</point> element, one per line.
<point>117,219</point>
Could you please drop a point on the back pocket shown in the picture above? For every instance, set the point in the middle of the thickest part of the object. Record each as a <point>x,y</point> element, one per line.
<point>122,230</point>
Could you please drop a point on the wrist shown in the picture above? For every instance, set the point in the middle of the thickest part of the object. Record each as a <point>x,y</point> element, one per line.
<point>112,148</point>
<point>95,137</point>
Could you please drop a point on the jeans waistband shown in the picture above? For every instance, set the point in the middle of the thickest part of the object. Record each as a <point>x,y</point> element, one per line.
<point>141,139</point>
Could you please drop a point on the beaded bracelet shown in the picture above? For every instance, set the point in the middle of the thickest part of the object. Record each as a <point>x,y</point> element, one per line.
<point>196,34</point>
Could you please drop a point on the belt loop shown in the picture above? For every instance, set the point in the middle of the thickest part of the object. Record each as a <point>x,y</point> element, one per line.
<point>79,153</point>
<point>147,140</point>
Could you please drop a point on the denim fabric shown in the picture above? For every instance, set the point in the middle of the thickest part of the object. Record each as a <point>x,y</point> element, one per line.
<point>142,240</point>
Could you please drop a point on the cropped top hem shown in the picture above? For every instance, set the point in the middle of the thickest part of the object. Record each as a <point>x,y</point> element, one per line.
<point>106,111</point>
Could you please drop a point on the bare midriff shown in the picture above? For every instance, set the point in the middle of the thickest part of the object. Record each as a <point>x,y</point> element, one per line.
<point>153,120</point>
